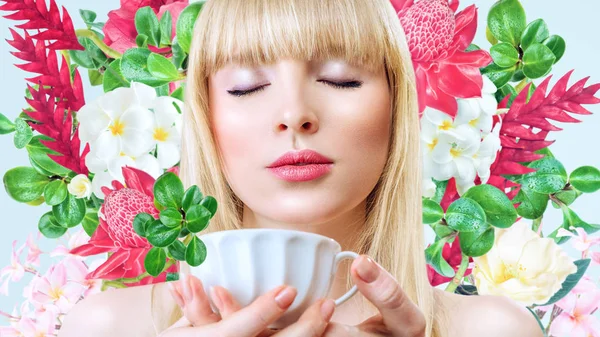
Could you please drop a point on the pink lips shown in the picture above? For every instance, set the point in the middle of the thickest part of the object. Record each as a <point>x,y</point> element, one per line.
<point>304,165</point>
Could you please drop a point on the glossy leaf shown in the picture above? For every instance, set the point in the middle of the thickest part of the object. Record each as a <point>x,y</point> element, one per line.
<point>23,133</point>
<point>586,179</point>
<point>6,126</point>
<point>535,32</point>
<point>155,261</point>
<point>465,215</point>
<point>499,210</point>
<point>192,196</point>
<point>171,217</point>
<point>49,226</point>
<point>161,68</point>
<point>55,192</point>
<point>160,235</point>
<point>433,256</point>
<point>195,253</point>
<point>477,243</point>
<point>185,25</point>
<point>141,222</point>
<point>134,67</point>
<point>570,282</point>
<point>537,60</point>
<point>24,184</point>
<point>506,21</point>
<point>504,54</point>
<point>550,176</point>
<point>557,45</point>
<point>70,212</point>
<point>147,23</point>
<point>177,250</point>
<point>432,211</point>
<point>168,190</point>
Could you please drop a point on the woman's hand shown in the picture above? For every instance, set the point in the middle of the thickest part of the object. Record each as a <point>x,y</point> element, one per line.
<point>398,315</point>
<point>252,321</point>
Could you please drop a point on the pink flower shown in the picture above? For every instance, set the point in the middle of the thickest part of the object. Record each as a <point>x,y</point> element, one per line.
<point>77,271</point>
<point>15,271</point>
<point>119,30</point>
<point>596,257</point>
<point>77,239</point>
<point>54,288</point>
<point>43,326</point>
<point>33,253</point>
<point>581,241</point>
<point>577,319</point>
<point>437,39</point>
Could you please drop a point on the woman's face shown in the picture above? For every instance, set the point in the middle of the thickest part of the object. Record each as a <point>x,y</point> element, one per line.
<point>297,107</point>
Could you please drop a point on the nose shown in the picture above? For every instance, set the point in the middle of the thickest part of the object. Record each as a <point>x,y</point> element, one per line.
<point>297,115</point>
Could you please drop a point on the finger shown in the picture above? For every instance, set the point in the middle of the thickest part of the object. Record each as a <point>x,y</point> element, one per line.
<point>400,315</point>
<point>313,321</point>
<point>196,305</point>
<point>256,317</point>
<point>224,301</point>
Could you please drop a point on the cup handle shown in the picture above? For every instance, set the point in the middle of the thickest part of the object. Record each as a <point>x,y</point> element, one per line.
<point>339,257</point>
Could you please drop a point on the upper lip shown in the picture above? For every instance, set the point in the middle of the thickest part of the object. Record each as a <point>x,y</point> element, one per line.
<point>303,156</point>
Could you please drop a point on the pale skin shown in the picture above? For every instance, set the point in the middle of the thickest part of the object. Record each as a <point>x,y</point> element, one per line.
<point>298,108</point>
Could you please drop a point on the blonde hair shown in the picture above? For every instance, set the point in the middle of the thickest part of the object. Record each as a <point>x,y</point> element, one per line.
<point>364,33</point>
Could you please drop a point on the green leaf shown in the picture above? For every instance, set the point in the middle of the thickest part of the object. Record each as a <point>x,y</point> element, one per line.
<point>113,77</point>
<point>504,54</point>
<point>465,215</point>
<point>557,45</point>
<point>6,126</point>
<point>498,75</point>
<point>160,235</point>
<point>179,56</point>
<point>175,276</point>
<point>570,282</point>
<point>23,133</point>
<point>155,261</point>
<point>472,47</point>
<point>499,210</point>
<point>192,196</point>
<point>141,222</point>
<point>141,41</point>
<point>566,196</point>
<point>185,25</point>
<point>537,60</point>
<point>535,32</point>
<point>95,77</point>
<point>505,90</point>
<point>197,218</point>
<point>477,243</point>
<point>210,203</point>
<point>168,190</point>
<point>55,192</point>
<point>542,327</point>
<point>506,21</point>
<point>146,23</point>
<point>171,217</point>
<point>177,250</point>
<point>442,230</point>
<point>586,179</point>
<point>90,221</point>
<point>195,253</point>
<point>490,37</point>
<point>432,211</point>
<point>38,157</point>
<point>70,212</point>
<point>166,29</point>
<point>91,57</point>
<point>433,256</point>
<point>24,184</point>
<point>571,219</point>
<point>178,93</point>
<point>134,67</point>
<point>49,227</point>
<point>518,75</point>
<point>161,68</point>
<point>550,176</point>
<point>533,204</point>
<point>87,15</point>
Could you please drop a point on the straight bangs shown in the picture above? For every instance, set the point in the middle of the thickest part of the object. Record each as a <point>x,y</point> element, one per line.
<point>258,32</point>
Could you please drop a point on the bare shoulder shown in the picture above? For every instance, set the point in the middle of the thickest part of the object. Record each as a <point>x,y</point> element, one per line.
<point>116,312</point>
<point>491,316</point>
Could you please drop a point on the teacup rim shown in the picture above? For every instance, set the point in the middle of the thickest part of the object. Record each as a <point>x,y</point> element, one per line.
<point>291,231</point>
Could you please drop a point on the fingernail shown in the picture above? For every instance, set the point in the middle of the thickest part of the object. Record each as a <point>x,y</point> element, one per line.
<point>174,294</point>
<point>367,270</point>
<point>285,297</point>
<point>216,298</point>
<point>185,286</point>
<point>327,309</point>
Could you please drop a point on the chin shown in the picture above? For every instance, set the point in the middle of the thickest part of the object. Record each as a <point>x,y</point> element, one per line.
<point>303,211</point>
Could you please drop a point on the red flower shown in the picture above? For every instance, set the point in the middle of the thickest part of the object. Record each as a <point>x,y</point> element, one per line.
<point>437,39</point>
<point>119,30</point>
<point>115,232</point>
<point>453,255</point>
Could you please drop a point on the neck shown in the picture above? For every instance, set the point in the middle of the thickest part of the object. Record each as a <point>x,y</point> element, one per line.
<point>344,229</point>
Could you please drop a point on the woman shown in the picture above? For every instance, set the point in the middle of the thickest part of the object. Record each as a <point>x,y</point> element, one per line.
<point>267,77</point>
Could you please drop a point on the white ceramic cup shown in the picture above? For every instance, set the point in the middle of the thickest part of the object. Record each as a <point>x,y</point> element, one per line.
<point>250,262</point>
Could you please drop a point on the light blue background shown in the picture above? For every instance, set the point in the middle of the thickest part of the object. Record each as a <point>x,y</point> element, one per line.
<point>577,145</point>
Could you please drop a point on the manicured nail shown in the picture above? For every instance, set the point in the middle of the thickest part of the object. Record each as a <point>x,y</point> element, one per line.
<point>216,298</point>
<point>367,270</point>
<point>285,297</point>
<point>327,309</point>
<point>174,293</point>
<point>185,286</point>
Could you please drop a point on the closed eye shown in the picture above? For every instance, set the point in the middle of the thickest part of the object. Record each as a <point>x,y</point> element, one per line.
<point>339,85</point>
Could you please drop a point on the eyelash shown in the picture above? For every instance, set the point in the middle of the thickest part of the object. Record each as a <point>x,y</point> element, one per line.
<point>341,85</point>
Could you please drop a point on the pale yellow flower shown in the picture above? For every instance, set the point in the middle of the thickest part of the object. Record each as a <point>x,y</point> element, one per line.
<point>80,186</point>
<point>523,266</point>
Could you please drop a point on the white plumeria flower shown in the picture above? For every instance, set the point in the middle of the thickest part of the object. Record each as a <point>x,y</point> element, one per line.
<point>146,162</point>
<point>166,132</point>
<point>478,111</point>
<point>80,186</point>
<point>428,188</point>
<point>119,121</point>
<point>454,152</point>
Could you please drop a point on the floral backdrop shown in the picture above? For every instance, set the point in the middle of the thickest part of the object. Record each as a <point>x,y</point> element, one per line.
<point>104,167</point>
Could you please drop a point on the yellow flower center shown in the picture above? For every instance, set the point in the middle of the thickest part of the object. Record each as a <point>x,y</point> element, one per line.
<point>55,293</point>
<point>160,134</point>
<point>117,128</point>
<point>473,122</point>
<point>510,271</point>
<point>433,144</point>
<point>446,125</point>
